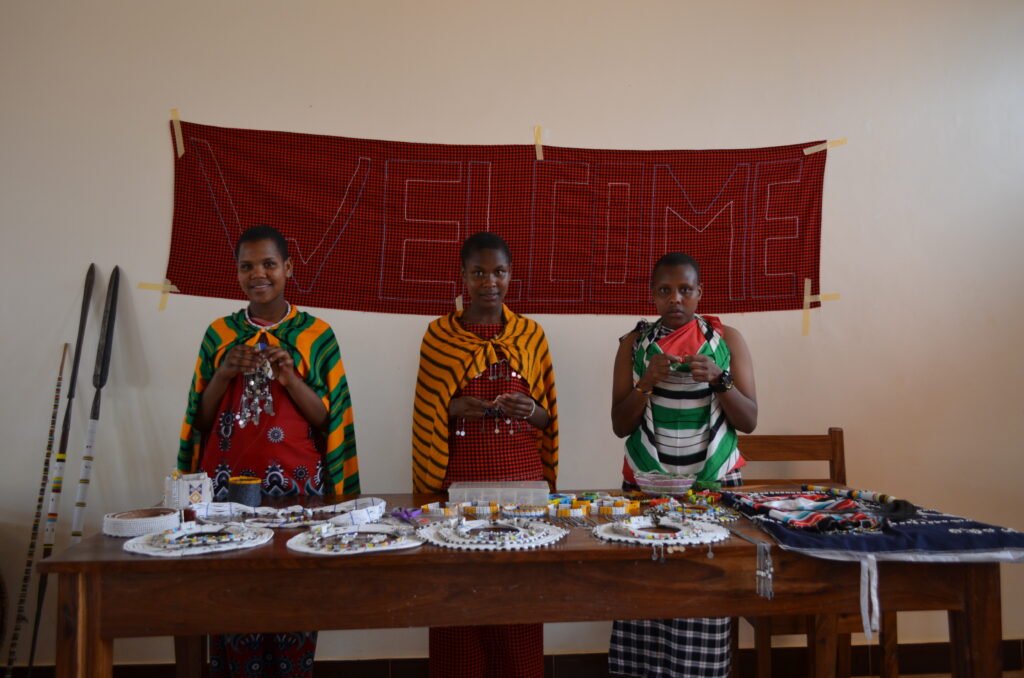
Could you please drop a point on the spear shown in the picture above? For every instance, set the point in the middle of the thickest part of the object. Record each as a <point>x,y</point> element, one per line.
<point>26,578</point>
<point>62,456</point>
<point>99,379</point>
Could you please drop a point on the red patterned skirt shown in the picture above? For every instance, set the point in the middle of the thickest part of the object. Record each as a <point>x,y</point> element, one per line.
<point>282,451</point>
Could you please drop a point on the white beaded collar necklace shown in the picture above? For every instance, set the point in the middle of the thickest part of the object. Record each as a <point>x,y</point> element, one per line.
<point>249,320</point>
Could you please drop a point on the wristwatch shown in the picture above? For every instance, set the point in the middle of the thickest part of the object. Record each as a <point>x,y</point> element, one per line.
<point>724,382</point>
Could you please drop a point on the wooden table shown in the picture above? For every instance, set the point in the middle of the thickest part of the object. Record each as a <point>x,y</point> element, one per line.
<point>105,593</point>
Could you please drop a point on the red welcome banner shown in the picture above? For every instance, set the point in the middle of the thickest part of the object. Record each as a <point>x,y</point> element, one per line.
<point>376,225</point>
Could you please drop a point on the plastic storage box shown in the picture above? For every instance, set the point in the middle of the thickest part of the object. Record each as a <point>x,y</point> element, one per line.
<point>520,492</point>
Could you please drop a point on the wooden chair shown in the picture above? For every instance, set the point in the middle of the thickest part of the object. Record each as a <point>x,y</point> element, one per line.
<point>822,448</point>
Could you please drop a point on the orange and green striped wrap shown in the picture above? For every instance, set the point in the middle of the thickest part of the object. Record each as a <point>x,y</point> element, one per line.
<point>314,349</point>
<point>449,357</point>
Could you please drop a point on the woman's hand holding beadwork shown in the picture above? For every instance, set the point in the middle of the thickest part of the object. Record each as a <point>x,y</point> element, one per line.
<point>657,370</point>
<point>282,364</point>
<point>468,407</point>
<point>241,359</point>
<point>516,405</point>
<point>703,368</point>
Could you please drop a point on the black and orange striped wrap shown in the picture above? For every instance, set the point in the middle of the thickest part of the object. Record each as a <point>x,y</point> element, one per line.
<point>449,357</point>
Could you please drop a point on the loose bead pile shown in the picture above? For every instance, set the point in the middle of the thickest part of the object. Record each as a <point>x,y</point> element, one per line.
<point>183,536</point>
<point>332,539</point>
<point>643,527</point>
<point>494,532</point>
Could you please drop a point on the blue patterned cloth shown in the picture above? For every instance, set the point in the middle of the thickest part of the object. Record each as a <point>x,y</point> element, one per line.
<point>929,536</point>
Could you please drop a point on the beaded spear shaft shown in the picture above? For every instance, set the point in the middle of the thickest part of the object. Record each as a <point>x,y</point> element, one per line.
<point>61,459</point>
<point>26,578</point>
<point>99,380</point>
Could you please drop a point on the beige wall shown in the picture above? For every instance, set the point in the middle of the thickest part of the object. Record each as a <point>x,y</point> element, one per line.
<point>920,361</point>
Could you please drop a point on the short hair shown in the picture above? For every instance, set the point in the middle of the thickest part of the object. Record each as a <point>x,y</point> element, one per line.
<point>263,232</point>
<point>675,259</point>
<point>484,240</point>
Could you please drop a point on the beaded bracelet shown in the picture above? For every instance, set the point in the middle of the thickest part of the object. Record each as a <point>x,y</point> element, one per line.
<point>636,387</point>
<point>339,543</point>
<point>480,508</point>
<point>436,510</point>
<point>524,511</point>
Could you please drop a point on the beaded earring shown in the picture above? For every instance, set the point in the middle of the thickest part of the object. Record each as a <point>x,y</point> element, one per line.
<point>499,370</point>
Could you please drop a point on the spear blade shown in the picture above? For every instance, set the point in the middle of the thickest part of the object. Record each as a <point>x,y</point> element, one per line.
<point>99,378</point>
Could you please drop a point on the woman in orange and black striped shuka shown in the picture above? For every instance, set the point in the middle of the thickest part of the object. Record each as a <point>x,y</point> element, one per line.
<point>485,410</point>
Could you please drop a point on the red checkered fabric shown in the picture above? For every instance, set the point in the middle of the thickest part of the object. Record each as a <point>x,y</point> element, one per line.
<point>514,651</point>
<point>368,221</point>
<point>490,449</point>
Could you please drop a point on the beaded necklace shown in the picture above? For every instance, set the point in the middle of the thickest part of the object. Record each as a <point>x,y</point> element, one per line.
<point>264,326</point>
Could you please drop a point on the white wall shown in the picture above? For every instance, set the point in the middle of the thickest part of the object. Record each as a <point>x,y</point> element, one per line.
<point>919,361</point>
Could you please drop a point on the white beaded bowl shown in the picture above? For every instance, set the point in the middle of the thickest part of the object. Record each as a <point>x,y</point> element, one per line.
<point>656,483</point>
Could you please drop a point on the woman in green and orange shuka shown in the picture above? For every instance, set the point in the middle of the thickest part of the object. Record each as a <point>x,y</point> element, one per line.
<point>303,445</point>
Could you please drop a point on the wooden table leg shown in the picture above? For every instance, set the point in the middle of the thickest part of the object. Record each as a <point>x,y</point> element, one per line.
<point>976,632</point>
<point>763,646</point>
<point>81,651</point>
<point>844,653</point>
<point>957,637</point>
<point>190,656</point>
<point>821,643</point>
<point>888,639</point>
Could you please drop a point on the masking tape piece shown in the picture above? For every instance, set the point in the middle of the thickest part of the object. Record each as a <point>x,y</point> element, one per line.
<point>458,303</point>
<point>811,298</point>
<point>821,147</point>
<point>807,307</point>
<point>166,288</point>
<point>537,129</point>
<point>179,140</point>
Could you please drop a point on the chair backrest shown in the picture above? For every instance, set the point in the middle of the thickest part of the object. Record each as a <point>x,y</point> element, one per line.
<point>828,447</point>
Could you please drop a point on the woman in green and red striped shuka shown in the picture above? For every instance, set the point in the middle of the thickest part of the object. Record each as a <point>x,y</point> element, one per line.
<point>681,389</point>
